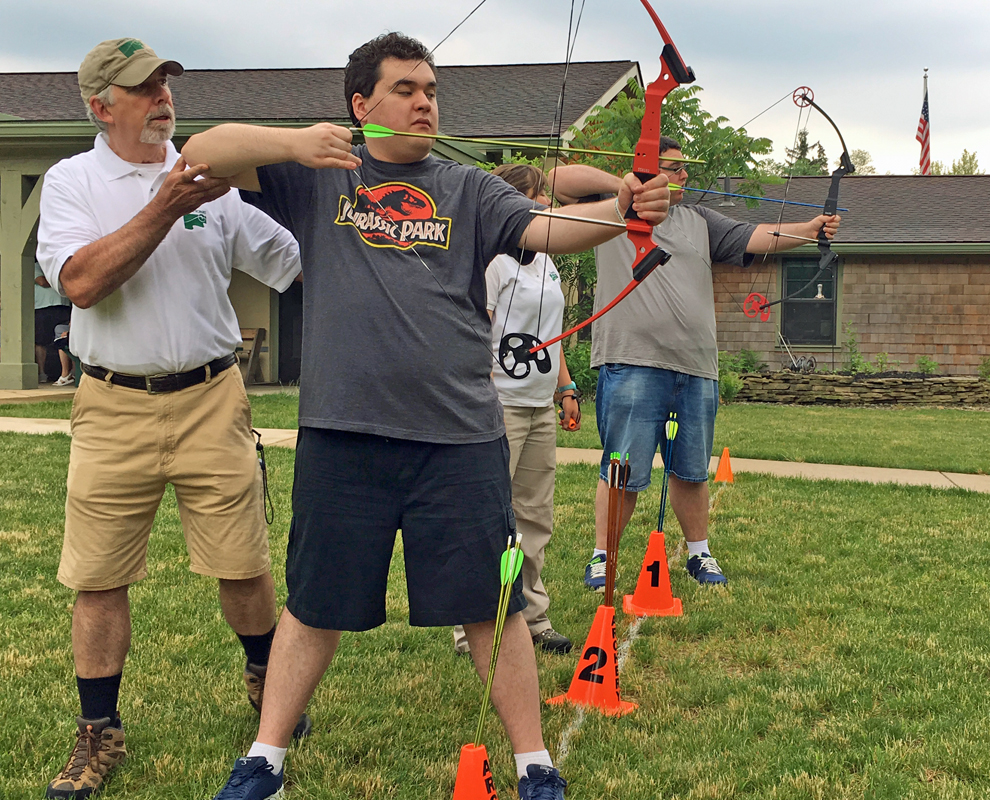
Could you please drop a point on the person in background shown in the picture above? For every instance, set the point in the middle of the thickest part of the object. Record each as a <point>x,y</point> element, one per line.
<point>657,353</point>
<point>50,309</point>
<point>528,297</point>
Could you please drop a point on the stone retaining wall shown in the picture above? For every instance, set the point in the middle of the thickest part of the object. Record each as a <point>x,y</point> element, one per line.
<point>791,387</point>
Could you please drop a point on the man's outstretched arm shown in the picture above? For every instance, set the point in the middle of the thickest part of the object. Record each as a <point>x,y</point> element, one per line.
<point>763,239</point>
<point>235,151</point>
<point>650,200</point>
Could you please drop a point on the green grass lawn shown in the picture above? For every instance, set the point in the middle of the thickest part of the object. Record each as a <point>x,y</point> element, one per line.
<point>945,439</point>
<point>847,658</point>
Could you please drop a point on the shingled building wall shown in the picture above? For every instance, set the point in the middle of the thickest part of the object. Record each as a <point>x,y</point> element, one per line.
<point>905,306</point>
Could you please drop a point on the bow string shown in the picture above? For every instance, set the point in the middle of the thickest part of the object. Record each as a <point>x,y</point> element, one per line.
<point>524,347</point>
<point>756,304</point>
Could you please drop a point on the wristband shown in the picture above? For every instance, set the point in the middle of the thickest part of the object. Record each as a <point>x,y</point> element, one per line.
<point>618,211</point>
<point>571,385</point>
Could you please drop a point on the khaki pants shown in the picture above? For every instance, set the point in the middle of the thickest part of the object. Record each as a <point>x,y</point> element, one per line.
<point>126,446</point>
<point>532,435</point>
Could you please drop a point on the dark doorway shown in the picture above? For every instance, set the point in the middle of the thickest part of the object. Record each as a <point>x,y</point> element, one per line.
<point>290,317</point>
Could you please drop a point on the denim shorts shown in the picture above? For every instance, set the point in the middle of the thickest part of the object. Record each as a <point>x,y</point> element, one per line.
<point>353,491</point>
<point>634,404</point>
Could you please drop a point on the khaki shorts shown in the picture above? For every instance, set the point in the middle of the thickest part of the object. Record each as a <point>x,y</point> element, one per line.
<point>126,446</point>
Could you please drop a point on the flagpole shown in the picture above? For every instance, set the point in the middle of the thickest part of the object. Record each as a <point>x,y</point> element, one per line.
<point>924,131</point>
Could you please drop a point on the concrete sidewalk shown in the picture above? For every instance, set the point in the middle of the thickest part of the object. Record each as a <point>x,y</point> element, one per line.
<point>274,437</point>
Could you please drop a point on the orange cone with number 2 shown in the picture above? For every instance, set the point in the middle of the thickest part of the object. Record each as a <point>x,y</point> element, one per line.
<point>653,597</point>
<point>596,679</point>
<point>474,775</point>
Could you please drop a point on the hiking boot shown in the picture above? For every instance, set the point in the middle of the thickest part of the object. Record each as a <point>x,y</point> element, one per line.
<point>541,783</point>
<point>594,574</point>
<point>254,678</point>
<point>705,570</point>
<point>552,642</point>
<point>99,748</point>
<point>252,779</point>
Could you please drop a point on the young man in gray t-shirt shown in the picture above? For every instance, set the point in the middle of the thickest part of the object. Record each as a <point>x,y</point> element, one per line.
<point>400,425</point>
<point>657,353</point>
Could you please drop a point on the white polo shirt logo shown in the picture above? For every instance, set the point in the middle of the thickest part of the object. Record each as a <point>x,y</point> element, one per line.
<point>195,220</point>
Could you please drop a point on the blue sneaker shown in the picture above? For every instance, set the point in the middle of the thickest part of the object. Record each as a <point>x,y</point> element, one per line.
<point>541,783</point>
<point>594,574</point>
<point>252,779</point>
<point>705,570</point>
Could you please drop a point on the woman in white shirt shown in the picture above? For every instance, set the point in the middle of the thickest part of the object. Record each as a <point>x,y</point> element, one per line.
<point>529,298</point>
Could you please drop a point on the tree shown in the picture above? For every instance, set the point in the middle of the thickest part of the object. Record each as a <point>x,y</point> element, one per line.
<point>863,162</point>
<point>727,150</point>
<point>800,159</point>
<point>967,164</point>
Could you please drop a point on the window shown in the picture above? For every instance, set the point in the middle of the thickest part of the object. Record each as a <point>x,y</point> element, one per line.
<point>808,318</point>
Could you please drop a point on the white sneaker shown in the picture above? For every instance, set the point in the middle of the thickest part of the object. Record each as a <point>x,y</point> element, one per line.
<point>65,380</point>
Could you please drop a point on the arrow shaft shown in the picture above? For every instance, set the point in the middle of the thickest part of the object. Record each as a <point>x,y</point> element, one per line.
<point>674,187</point>
<point>506,143</point>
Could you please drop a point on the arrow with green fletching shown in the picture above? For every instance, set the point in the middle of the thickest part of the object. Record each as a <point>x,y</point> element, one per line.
<point>373,131</point>
<point>511,566</point>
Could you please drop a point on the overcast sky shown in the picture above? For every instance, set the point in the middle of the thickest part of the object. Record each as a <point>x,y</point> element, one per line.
<point>863,59</point>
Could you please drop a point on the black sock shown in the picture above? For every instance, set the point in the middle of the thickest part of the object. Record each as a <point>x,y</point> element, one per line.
<point>258,648</point>
<point>98,696</point>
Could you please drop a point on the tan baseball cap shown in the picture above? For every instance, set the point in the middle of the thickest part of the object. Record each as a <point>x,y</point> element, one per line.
<point>121,62</point>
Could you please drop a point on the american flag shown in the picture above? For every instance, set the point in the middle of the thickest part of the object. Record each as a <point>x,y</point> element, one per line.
<point>924,137</point>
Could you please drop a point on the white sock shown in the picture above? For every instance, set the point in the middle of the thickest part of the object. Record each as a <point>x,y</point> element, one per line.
<point>523,760</point>
<point>697,548</point>
<point>598,552</point>
<point>273,755</point>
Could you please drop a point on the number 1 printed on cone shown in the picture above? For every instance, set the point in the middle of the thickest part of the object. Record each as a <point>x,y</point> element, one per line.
<point>653,596</point>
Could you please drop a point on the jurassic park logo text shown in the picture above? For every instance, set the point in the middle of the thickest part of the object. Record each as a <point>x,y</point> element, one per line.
<point>395,215</point>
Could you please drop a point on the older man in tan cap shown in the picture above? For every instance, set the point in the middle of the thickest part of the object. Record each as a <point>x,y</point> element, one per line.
<point>144,248</point>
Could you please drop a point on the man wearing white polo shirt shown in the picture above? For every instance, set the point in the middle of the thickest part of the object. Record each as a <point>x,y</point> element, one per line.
<point>144,248</point>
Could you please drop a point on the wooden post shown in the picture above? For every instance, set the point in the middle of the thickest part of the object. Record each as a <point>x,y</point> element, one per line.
<point>20,194</point>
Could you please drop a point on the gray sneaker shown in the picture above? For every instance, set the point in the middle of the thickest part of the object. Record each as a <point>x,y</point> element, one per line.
<point>552,642</point>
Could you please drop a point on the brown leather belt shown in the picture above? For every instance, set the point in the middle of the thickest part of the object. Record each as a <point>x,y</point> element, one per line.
<point>164,382</point>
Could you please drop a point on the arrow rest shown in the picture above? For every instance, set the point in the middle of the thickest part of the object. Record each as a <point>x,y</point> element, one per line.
<point>519,347</point>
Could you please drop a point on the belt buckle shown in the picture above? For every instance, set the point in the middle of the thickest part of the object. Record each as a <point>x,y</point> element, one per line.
<point>149,378</point>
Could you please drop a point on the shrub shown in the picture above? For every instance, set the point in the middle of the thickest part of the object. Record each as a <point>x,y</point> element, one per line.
<point>728,363</point>
<point>729,385</point>
<point>579,365</point>
<point>856,363</point>
<point>882,362</point>
<point>984,369</point>
<point>749,361</point>
<point>926,365</point>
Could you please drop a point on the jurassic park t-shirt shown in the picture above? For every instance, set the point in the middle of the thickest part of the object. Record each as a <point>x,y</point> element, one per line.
<point>396,335</point>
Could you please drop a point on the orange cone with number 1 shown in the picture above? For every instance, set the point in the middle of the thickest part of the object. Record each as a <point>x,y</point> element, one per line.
<point>653,597</point>
<point>474,775</point>
<point>596,679</point>
<point>724,472</point>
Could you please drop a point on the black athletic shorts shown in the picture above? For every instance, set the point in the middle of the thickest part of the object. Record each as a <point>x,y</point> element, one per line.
<point>353,491</point>
<point>45,320</point>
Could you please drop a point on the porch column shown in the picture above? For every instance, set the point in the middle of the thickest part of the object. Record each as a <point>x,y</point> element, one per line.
<point>20,194</point>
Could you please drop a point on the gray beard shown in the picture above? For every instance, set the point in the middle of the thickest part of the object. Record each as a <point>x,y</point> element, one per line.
<point>157,132</point>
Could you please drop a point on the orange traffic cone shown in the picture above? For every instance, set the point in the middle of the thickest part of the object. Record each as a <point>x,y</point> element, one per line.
<point>474,775</point>
<point>596,679</point>
<point>653,597</point>
<point>724,472</point>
